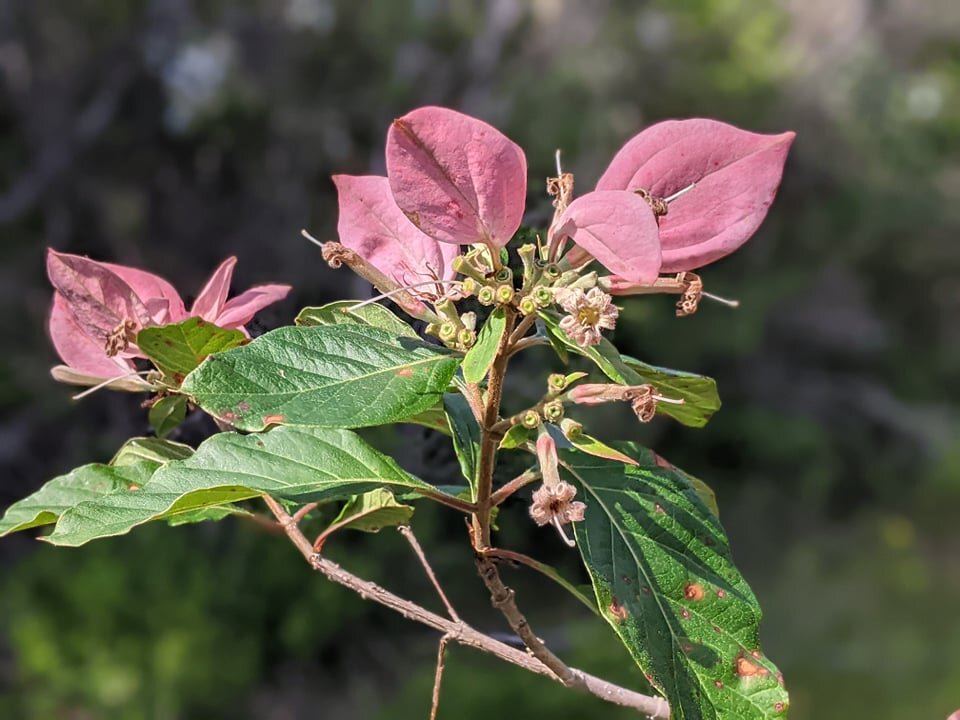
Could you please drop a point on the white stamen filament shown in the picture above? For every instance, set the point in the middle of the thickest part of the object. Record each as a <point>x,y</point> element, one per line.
<point>559,527</point>
<point>669,401</point>
<point>105,383</point>
<point>311,238</point>
<point>677,194</point>
<point>556,156</point>
<point>399,290</point>
<point>721,300</point>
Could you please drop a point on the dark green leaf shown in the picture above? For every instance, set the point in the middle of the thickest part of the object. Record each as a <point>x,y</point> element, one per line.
<point>290,463</point>
<point>177,349</point>
<point>341,312</point>
<point>167,413</point>
<point>466,436</point>
<point>331,376</point>
<point>665,580</point>
<point>481,355</point>
<point>698,392</point>
<point>83,485</point>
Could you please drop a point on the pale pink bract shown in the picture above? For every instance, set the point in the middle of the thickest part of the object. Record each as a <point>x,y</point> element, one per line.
<point>95,301</point>
<point>736,174</point>
<point>458,179</point>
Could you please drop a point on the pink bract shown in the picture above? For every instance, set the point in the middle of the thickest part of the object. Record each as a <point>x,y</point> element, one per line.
<point>92,300</point>
<point>736,175</point>
<point>617,228</point>
<point>372,225</point>
<point>458,179</point>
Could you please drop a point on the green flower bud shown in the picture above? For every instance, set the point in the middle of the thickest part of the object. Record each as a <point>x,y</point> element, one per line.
<point>542,297</point>
<point>469,287</point>
<point>557,382</point>
<point>433,329</point>
<point>571,428</point>
<point>486,295</point>
<point>531,419</point>
<point>503,275</point>
<point>528,306</point>
<point>505,294</point>
<point>466,338</point>
<point>448,331</point>
<point>552,271</point>
<point>553,411</point>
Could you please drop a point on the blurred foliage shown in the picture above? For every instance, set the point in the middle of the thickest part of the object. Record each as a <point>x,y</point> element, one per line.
<point>170,133</point>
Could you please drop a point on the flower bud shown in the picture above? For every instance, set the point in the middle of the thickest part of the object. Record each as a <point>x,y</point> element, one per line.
<point>448,331</point>
<point>571,428</point>
<point>556,382</point>
<point>553,411</point>
<point>487,295</point>
<point>527,305</point>
<point>467,338</point>
<point>505,294</point>
<point>531,419</point>
<point>552,271</point>
<point>503,275</point>
<point>469,287</point>
<point>542,297</point>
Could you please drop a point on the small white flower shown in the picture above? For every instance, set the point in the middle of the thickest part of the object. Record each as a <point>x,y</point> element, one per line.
<point>589,314</point>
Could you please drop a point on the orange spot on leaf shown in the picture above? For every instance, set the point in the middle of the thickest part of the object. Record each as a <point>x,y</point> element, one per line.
<point>405,372</point>
<point>617,609</point>
<point>693,591</point>
<point>273,419</point>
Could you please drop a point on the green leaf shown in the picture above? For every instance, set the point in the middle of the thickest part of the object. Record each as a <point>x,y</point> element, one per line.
<point>345,376</point>
<point>290,463</point>
<point>177,349</point>
<point>84,484</point>
<point>592,446</point>
<point>481,355</point>
<point>156,450</point>
<point>515,437</point>
<point>372,511</point>
<point>466,436</point>
<point>698,392</point>
<point>167,413</point>
<point>664,577</point>
<point>344,312</point>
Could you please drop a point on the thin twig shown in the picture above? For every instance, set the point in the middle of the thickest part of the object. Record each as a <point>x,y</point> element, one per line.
<point>438,677</point>
<point>511,487</point>
<point>300,514</point>
<point>407,532</point>
<point>526,342</point>
<point>460,633</point>
<point>521,329</point>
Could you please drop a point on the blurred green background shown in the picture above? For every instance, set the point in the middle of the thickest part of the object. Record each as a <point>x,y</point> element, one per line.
<point>171,133</point>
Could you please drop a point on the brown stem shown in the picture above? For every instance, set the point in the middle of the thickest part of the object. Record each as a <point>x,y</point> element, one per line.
<point>407,532</point>
<point>524,343</point>
<point>460,633</point>
<point>488,442</point>
<point>521,330</point>
<point>438,677</point>
<point>511,487</point>
<point>503,598</point>
<point>304,511</point>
